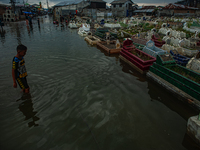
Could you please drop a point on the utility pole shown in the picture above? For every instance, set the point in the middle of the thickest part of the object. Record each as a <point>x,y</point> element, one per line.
<point>13,5</point>
<point>47,5</point>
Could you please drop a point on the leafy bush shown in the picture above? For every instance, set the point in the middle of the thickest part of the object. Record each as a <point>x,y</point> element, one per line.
<point>189,24</point>
<point>123,25</point>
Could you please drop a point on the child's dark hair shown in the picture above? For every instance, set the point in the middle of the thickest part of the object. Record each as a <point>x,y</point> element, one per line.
<point>21,47</point>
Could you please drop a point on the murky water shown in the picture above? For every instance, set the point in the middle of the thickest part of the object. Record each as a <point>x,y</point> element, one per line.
<point>81,98</point>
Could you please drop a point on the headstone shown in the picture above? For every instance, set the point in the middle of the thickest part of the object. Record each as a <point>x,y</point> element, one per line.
<point>176,42</point>
<point>171,47</point>
<point>153,30</point>
<point>182,43</point>
<point>165,38</point>
<point>168,33</point>
<point>178,35</point>
<point>117,44</point>
<point>122,35</point>
<point>150,44</point>
<point>196,33</point>
<point>124,21</point>
<point>107,35</point>
<point>172,40</point>
<point>164,25</point>
<point>187,42</point>
<point>193,128</point>
<point>173,33</point>
<point>164,30</point>
<point>167,47</point>
<point>168,41</point>
<point>164,46</point>
<point>193,44</point>
<point>180,50</point>
<point>160,30</point>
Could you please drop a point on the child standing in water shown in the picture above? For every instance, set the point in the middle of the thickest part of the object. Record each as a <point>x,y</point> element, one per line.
<point>38,20</point>
<point>1,24</point>
<point>19,70</point>
<point>26,19</point>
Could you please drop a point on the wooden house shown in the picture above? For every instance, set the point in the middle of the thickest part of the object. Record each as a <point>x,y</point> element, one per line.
<point>178,10</point>
<point>122,8</point>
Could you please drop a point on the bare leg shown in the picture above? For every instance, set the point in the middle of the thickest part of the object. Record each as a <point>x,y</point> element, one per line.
<point>26,90</point>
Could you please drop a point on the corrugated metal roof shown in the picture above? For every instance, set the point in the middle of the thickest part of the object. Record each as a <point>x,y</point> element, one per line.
<point>99,1</point>
<point>120,1</point>
<point>144,10</point>
<point>178,6</point>
<point>148,7</point>
<point>68,3</point>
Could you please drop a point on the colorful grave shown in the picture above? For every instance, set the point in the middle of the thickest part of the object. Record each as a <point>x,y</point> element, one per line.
<point>184,79</point>
<point>152,50</point>
<point>92,40</point>
<point>135,57</point>
<point>110,48</point>
<point>158,42</point>
<point>101,32</point>
<point>181,60</point>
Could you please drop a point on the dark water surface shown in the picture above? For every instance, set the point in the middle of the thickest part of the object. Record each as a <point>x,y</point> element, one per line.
<point>81,98</point>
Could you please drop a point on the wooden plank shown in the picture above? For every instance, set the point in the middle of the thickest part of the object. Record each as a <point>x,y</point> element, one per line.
<point>103,47</point>
<point>92,42</point>
<point>115,51</point>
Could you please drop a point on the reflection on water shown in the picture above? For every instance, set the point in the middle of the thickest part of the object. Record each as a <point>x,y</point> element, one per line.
<point>29,29</point>
<point>2,33</point>
<point>126,68</point>
<point>26,107</point>
<point>189,143</point>
<point>165,97</point>
<point>81,97</point>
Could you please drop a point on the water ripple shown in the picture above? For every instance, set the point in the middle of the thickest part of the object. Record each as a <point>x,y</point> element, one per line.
<point>80,97</point>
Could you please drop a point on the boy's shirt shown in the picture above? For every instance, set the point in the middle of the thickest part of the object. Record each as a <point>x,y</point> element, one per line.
<point>19,67</point>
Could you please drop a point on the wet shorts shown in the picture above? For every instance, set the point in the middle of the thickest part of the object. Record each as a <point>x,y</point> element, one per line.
<point>22,83</point>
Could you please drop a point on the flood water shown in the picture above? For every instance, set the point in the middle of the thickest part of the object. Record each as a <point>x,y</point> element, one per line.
<point>81,98</point>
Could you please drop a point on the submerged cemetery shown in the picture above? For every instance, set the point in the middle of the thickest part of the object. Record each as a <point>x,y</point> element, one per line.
<point>143,41</point>
<point>165,49</point>
<point>103,76</point>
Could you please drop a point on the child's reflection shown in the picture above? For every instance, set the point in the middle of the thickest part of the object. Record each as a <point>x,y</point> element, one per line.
<point>28,29</point>
<point>2,32</point>
<point>26,107</point>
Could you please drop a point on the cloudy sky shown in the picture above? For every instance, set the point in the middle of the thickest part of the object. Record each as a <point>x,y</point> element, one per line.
<point>53,2</point>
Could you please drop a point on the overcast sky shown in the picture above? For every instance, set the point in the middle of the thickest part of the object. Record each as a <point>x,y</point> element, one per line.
<point>54,2</point>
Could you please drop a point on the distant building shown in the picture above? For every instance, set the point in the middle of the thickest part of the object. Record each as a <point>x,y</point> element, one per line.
<point>160,7</point>
<point>92,8</point>
<point>86,7</point>
<point>122,8</point>
<point>83,4</point>
<point>65,8</point>
<point>178,10</point>
<point>10,13</point>
<point>190,3</point>
<point>145,11</point>
<point>148,7</point>
<point>96,4</point>
<point>2,10</point>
